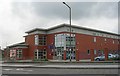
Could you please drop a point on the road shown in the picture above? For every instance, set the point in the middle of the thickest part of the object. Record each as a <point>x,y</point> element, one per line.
<point>36,71</point>
<point>7,70</point>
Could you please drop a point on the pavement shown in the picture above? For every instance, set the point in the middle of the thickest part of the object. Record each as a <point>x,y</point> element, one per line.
<point>59,61</point>
<point>62,66</point>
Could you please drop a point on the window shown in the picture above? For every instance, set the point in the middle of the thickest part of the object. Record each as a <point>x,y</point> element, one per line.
<point>59,40</point>
<point>88,52</point>
<point>94,34</point>
<point>102,51</point>
<point>98,51</point>
<point>42,40</point>
<point>35,54</point>
<point>19,53</point>
<point>40,54</point>
<point>95,52</point>
<point>105,39</point>
<point>94,39</point>
<point>36,40</point>
<point>113,41</point>
<point>62,40</point>
<point>68,41</point>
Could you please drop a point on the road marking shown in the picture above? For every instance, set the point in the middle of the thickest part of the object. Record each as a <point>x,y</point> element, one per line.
<point>19,69</point>
<point>7,69</point>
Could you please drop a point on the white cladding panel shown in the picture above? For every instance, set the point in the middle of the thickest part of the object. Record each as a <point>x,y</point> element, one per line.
<point>82,31</point>
<point>61,29</point>
<point>38,32</point>
<point>93,33</point>
<point>75,30</point>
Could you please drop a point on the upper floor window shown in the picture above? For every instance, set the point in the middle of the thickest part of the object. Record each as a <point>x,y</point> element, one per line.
<point>94,40</point>
<point>105,39</point>
<point>64,40</point>
<point>42,40</point>
<point>113,41</point>
<point>36,40</point>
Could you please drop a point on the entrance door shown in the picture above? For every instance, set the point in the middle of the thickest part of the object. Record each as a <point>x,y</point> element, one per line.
<point>58,53</point>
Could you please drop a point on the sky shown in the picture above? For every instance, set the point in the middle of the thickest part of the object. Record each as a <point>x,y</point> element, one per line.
<point>18,17</point>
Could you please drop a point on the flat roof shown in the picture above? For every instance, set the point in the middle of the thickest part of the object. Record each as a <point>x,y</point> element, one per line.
<point>73,26</point>
<point>18,44</point>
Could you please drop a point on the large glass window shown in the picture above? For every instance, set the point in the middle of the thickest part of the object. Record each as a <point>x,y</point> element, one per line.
<point>59,40</point>
<point>72,53</point>
<point>62,42</point>
<point>40,54</point>
<point>19,53</point>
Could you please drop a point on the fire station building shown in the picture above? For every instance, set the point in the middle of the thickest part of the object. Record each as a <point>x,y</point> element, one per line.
<point>54,44</point>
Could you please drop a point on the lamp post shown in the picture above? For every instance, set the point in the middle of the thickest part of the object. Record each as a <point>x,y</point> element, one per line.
<point>70,25</point>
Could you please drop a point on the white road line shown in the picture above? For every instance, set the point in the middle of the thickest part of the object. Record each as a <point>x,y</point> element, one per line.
<point>19,69</point>
<point>7,69</point>
<point>29,70</point>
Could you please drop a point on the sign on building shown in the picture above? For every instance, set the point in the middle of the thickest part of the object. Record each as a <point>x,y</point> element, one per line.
<point>12,53</point>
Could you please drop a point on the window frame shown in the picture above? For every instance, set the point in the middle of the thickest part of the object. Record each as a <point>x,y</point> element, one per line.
<point>19,53</point>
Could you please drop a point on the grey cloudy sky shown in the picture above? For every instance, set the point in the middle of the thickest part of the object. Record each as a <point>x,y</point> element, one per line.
<point>18,17</point>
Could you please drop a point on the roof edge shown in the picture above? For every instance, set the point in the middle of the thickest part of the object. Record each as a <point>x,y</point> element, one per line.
<point>74,26</point>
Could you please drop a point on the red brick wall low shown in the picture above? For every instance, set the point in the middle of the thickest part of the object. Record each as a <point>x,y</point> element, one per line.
<point>85,42</point>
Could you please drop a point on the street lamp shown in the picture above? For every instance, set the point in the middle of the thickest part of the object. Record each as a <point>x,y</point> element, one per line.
<point>70,26</point>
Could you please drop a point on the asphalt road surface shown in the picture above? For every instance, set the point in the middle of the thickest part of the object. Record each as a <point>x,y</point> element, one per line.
<point>32,71</point>
<point>9,70</point>
<point>59,75</point>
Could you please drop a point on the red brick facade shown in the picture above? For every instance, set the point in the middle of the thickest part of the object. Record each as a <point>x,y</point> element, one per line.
<point>83,43</point>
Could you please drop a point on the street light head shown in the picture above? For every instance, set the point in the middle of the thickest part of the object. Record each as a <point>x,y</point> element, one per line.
<point>64,3</point>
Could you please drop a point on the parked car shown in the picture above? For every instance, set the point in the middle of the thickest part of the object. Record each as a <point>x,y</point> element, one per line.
<point>102,57</point>
<point>117,56</point>
<point>111,56</point>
